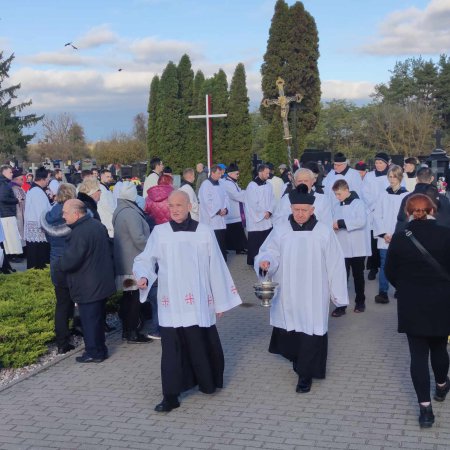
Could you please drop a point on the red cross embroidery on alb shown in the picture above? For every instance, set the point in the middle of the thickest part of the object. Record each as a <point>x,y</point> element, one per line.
<point>189,299</point>
<point>165,301</point>
<point>210,299</point>
<point>233,290</point>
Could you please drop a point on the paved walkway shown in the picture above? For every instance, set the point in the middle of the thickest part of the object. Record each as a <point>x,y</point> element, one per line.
<point>366,401</point>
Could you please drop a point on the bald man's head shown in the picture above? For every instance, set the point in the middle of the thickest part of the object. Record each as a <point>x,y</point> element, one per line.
<point>73,210</point>
<point>179,206</point>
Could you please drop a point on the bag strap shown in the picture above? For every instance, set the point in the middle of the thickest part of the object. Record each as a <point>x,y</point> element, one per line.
<point>432,261</point>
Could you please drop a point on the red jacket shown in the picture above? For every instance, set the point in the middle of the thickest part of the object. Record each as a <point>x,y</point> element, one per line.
<point>156,204</point>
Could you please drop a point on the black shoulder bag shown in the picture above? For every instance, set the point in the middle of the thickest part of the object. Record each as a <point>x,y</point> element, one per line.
<point>437,267</point>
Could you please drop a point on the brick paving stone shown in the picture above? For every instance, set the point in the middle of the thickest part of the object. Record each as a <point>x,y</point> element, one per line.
<point>366,402</point>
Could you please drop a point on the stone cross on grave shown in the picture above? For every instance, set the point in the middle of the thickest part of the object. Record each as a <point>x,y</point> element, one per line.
<point>208,116</point>
<point>283,102</point>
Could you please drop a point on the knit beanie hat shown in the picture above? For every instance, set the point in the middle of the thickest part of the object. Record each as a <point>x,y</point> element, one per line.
<point>128,191</point>
<point>382,156</point>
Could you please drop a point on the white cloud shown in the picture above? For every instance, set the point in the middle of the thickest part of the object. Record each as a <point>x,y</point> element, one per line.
<point>414,31</point>
<point>61,58</point>
<point>350,90</point>
<point>151,49</point>
<point>96,37</point>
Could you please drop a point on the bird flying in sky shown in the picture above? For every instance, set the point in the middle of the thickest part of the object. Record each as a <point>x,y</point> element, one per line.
<point>70,43</point>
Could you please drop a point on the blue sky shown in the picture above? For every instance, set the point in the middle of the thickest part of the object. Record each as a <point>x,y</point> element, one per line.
<point>359,43</point>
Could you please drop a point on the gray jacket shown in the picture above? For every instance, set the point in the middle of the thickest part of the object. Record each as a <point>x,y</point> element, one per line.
<point>131,233</point>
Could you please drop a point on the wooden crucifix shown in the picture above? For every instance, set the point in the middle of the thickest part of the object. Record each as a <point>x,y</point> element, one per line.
<point>208,116</point>
<point>283,102</point>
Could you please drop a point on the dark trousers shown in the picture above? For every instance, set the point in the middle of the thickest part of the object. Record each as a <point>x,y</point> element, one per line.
<point>63,313</point>
<point>92,317</point>
<point>130,311</point>
<point>373,262</point>
<point>420,349</point>
<point>356,264</point>
<point>38,255</point>
<point>255,240</point>
<point>221,240</point>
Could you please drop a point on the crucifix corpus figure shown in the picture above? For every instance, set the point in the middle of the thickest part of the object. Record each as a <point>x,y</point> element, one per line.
<point>208,116</point>
<point>283,102</point>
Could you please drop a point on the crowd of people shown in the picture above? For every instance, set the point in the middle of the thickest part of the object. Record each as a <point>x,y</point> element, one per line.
<point>166,251</point>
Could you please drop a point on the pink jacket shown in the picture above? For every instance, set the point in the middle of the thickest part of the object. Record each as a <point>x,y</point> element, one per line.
<point>156,204</point>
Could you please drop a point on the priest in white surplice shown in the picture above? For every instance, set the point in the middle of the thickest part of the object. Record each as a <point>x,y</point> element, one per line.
<point>194,285</point>
<point>213,200</point>
<point>305,258</point>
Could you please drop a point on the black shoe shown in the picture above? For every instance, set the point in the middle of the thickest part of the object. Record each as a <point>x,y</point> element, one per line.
<point>372,274</point>
<point>65,349</point>
<point>359,308</point>
<point>441,392</point>
<point>339,311</point>
<point>241,252</point>
<point>382,297</point>
<point>426,418</point>
<point>137,338</point>
<point>304,385</point>
<point>167,406</point>
<point>124,335</point>
<point>88,359</point>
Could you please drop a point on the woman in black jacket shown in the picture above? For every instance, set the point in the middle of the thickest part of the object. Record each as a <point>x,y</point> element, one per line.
<point>423,294</point>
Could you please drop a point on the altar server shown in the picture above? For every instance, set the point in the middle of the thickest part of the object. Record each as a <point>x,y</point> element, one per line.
<point>385,219</point>
<point>259,207</point>
<point>305,258</point>
<point>235,234</point>
<point>213,200</point>
<point>194,285</point>
<point>342,171</point>
<point>375,182</point>
<point>322,204</point>
<point>350,224</point>
<point>36,205</point>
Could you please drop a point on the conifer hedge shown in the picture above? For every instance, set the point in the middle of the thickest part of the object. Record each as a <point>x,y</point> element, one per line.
<point>27,305</point>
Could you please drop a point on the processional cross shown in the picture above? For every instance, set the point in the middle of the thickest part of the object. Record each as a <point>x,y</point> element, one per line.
<point>283,102</point>
<point>208,116</point>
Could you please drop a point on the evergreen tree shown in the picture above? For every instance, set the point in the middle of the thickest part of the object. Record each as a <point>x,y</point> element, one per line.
<point>197,136</point>
<point>239,126</point>
<point>168,119</point>
<point>185,95</point>
<point>276,56</point>
<point>219,105</point>
<point>292,53</point>
<point>275,148</point>
<point>13,141</point>
<point>152,137</point>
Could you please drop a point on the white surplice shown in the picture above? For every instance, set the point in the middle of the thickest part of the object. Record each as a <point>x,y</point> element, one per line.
<point>355,237</point>
<point>193,199</point>
<point>37,204</point>
<point>105,208</point>
<point>194,282</point>
<point>385,215</point>
<point>309,265</point>
<point>258,200</point>
<point>235,196</point>
<point>212,198</point>
<point>322,209</point>
<point>351,176</point>
<point>373,187</point>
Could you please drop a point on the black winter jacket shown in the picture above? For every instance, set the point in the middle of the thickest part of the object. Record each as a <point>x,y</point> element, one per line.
<point>8,200</point>
<point>423,296</point>
<point>88,262</point>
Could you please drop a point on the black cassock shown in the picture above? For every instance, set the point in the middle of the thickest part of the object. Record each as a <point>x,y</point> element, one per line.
<point>191,356</point>
<point>307,353</point>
